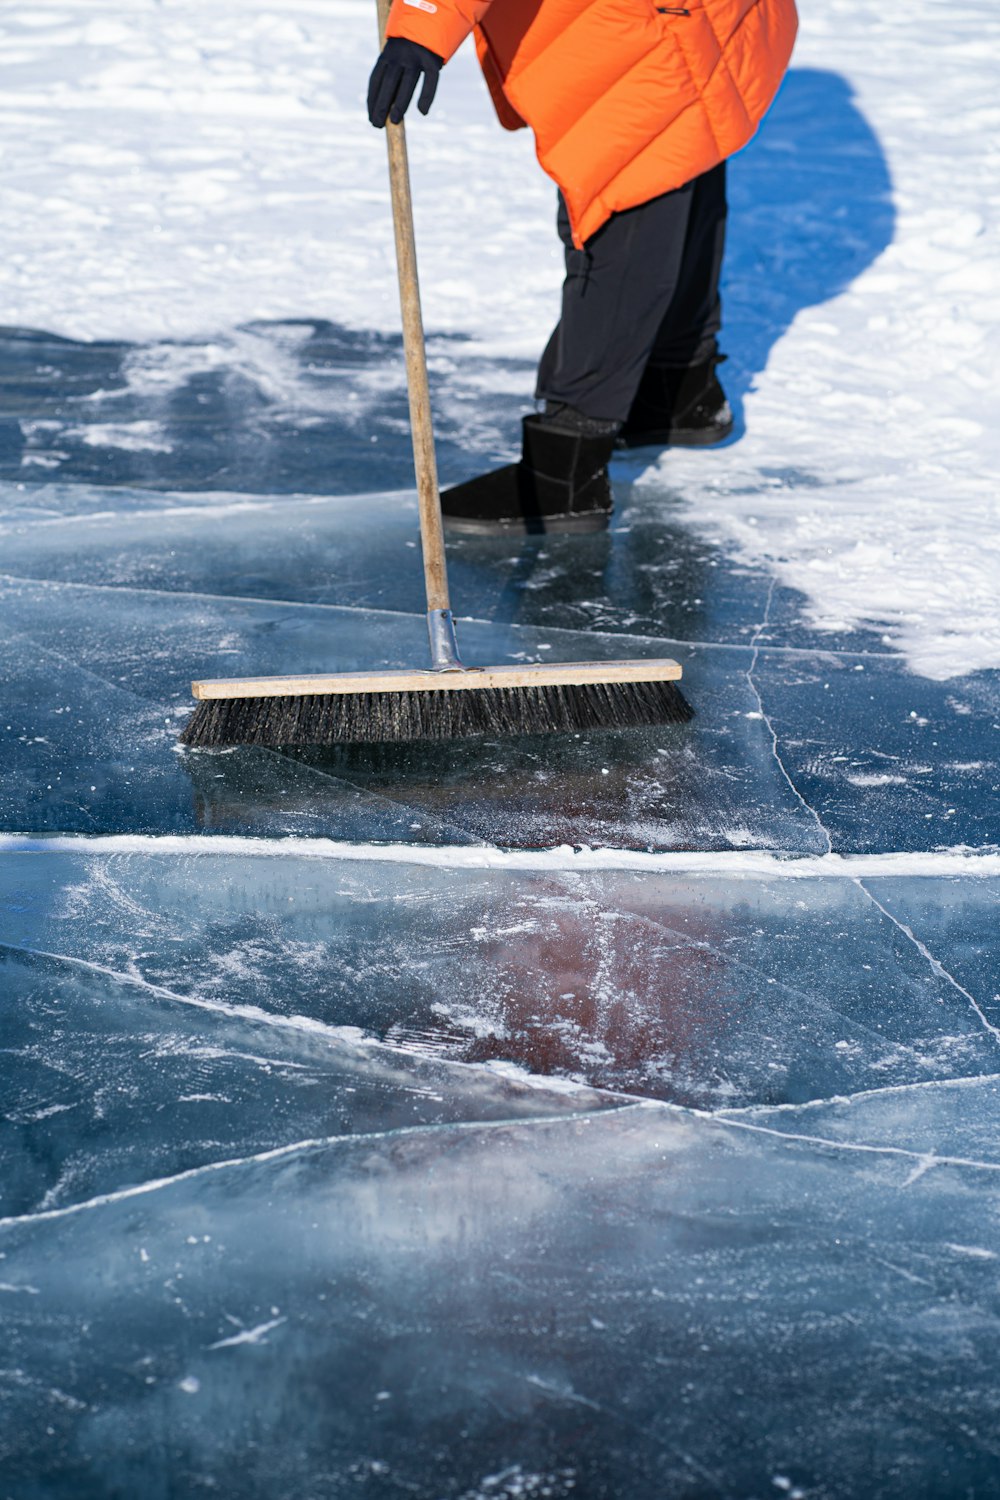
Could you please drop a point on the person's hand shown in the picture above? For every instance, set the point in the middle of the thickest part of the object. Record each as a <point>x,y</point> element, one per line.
<point>395,76</point>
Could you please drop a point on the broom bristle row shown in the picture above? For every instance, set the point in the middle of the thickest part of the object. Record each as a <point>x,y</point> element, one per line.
<point>396,717</point>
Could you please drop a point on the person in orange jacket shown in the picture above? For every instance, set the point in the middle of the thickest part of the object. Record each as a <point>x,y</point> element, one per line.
<point>635,109</point>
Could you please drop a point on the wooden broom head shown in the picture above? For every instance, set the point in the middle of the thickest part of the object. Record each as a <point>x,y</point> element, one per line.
<point>468,679</point>
<point>399,706</point>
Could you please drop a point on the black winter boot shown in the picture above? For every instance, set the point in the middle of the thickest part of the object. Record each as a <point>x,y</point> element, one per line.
<point>684,408</point>
<point>560,484</point>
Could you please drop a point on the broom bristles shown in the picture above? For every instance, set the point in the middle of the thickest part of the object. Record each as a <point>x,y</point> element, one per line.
<point>413,714</point>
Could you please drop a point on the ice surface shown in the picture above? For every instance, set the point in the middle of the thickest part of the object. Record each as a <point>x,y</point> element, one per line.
<point>100,689</point>
<point>702,990</point>
<point>800,742</point>
<point>307,1147</point>
<point>415,1156</point>
<point>271,408</point>
<point>328,1173</point>
<point>114,1081</point>
<point>384,1316</point>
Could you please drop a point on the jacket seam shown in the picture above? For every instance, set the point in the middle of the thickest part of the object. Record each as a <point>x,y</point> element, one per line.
<point>600,100</point>
<point>725,61</point>
<point>710,76</point>
<point>694,104</point>
<point>527,68</point>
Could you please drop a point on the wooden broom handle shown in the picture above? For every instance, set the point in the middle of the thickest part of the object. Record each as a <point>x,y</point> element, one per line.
<point>424,462</point>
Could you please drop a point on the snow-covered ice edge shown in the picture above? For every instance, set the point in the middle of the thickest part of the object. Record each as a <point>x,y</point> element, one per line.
<point>755,864</point>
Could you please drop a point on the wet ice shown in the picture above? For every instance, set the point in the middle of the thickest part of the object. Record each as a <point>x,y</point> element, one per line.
<point>794,746</point>
<point>368,1154</point>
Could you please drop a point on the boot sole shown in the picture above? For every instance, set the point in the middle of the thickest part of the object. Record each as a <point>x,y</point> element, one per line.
<point>591,521</point>
<point>677,437</point>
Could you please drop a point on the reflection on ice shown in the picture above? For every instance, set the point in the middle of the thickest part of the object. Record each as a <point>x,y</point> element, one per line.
<point>100,687</point>
<point>273,1164</point>
<point>697,989</point>
<point>838,745</point>
<point>113,1080</point>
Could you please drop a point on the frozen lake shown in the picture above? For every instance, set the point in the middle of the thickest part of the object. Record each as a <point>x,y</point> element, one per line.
<point>399,1158</point>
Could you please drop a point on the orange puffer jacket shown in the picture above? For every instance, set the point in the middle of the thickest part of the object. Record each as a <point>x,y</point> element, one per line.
<point>627,99</point>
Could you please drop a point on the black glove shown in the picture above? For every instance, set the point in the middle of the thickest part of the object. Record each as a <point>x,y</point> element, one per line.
<point>394,78</point>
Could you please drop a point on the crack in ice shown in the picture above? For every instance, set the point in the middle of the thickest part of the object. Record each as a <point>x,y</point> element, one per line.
<point>337,1036</point>
<point>731,1112</point>
<point>518,627</point>
<point>197,594</point>
<point>755,647</point>
<point>922,1160</point>
<point>256,1335</point>
<point>934,964</point>
<point>72,665</point>
<point>901,1271</point>
<point>302,1148</point>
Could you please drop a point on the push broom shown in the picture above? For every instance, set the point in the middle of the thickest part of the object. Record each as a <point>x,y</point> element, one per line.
<point>446,700</point>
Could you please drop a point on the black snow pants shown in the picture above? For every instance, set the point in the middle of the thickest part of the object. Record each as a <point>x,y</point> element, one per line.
<point>643,290</point>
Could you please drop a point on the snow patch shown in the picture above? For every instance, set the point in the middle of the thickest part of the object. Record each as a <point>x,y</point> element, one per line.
<point>957,862</point>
